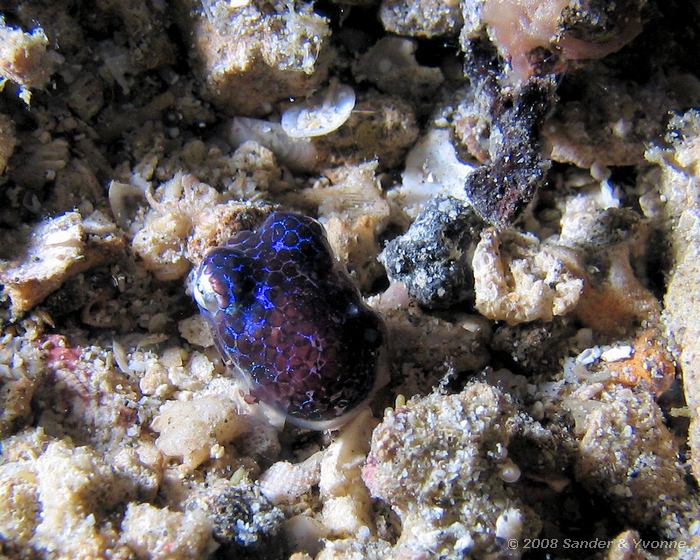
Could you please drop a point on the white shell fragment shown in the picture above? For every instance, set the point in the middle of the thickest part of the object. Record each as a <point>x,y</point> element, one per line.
<point>296,153</point>
<point>321,114</point>
<point>123,200</point>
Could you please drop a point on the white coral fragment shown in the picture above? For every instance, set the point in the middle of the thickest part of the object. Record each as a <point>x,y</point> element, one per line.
<point>517,279</point>
<point>354,212</point>
<point>186,218</point>
<point>432,168</point>
<point>190,429</point>
<point>321,114</point>
<point>284,482</point>
<point>160,534</point>
<point>195,331</point>
<point>161,245</point>
<point>346,500</point>
<point>54,496</point>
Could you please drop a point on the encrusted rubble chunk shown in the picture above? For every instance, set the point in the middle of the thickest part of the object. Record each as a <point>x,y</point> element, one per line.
<point>500,189</point>
<point>354,212</point>
<point>537,346</point>
<point>160,242</point>
<point>162,534</point>
<point>214,226</point>
<point>437,462</point>
<point>83,395</point>
<point>186,219</point>
<point>424,18</point>
<point>587,225</point>
<point>680,170</point>
<point>535,37</point>
<point>627,431</point>
<point>60,495</point>
<point>390,64</point>
<point>649,362</point>
<point>195,331</point>
<point>83,481</point>
<point>18,491</point>
<point>429,346</point>
<point>251,55</point>
<point>433,258</point>
<point>241,517</point>
<point>56,250</point>
<point>612,242</point>
<point>25,58</point>
<point>517,279</point>
<point>587,128</point>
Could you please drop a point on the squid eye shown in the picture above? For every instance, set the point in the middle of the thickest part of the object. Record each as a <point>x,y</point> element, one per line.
<point>204,293</point>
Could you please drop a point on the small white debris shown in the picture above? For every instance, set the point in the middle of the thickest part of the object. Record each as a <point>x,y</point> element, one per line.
<point>510,472</point>
<point>617,353</point>
<point>217,451</point>
<point>509,524</point>
<point>589,356</point>
<point>464,544</point>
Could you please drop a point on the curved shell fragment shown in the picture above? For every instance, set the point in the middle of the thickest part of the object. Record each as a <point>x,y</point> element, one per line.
<point>321,114</point>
